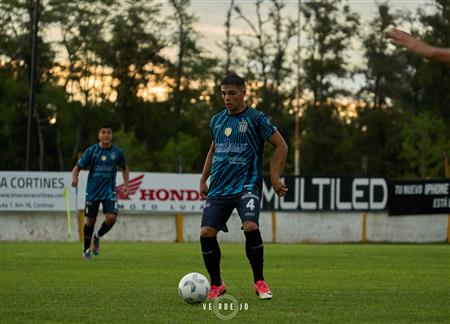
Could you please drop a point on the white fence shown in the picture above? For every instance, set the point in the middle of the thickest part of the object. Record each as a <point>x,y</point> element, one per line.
<point>279,227</point>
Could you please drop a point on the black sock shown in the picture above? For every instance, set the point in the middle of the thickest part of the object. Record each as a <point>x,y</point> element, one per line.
<point>211,256</point>
<point>88,230</point>
<point>103,229</point>
<point>255,253</point>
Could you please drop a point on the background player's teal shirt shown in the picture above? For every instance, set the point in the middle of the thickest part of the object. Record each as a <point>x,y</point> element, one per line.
<point>239,141</point>
<point>102,164</point>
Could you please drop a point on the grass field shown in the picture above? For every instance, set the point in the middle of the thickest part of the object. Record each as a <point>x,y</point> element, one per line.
<point>137,282</point>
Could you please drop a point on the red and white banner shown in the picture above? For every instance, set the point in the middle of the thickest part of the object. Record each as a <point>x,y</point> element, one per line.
<point>44,191</point>
<point>166,192</point>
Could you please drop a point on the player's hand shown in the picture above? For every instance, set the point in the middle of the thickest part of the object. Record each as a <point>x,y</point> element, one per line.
<point>74,182</point>
<point>279,187</point>
<point>400,38</point>
<point>126,191</point>
<point>203,190</point>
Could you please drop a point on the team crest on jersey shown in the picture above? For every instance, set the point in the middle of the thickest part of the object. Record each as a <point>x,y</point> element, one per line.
<point>103,157</point>
<point>113,156</point>
<point>228,131</point>
<point>243,125</point>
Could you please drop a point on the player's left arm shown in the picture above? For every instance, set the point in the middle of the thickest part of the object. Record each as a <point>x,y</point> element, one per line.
<point>279,160</point>
<point>125,172</point>
<point>126,178</point>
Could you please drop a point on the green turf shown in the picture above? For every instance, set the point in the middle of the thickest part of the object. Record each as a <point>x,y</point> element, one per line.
<point>137,282</point>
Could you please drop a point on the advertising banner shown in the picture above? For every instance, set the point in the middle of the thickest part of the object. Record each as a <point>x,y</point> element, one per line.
<point>328,194</point>
<point>36,191</point>
<point>172,192</point>
<point>162,192</point>
<point>409,197</point>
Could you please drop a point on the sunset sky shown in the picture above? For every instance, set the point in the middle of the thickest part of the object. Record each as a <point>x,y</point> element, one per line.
<point>212,15</point>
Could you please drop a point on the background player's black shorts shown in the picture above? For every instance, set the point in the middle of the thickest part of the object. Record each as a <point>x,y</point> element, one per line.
<point>217,210</point>
<point>109,207</point>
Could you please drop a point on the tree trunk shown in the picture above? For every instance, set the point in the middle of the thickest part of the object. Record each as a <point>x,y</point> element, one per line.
<point>58,149</point>
<point>40,138</point>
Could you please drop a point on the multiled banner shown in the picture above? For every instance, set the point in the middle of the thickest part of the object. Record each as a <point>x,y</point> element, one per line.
<point>328,194</point>
<point>408,197</point>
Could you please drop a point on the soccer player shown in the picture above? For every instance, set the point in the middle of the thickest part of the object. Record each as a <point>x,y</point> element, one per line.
<point>102,160</point>
<point>401,38</point>
<point>234,164</point>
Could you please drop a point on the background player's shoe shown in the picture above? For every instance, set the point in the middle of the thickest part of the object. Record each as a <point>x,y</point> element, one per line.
<point>96,245</point>
<point>87,255</point>
<point>262,290</point>
<point>216,291</point>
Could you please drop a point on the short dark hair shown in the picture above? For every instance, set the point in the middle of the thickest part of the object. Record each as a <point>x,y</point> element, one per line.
<point>233,79</point>
<point>105,126</point>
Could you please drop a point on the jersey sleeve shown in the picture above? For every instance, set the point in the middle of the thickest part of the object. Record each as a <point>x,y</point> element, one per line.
<point>211,130</point>
<point>85,160</point>
<point>266,129</point>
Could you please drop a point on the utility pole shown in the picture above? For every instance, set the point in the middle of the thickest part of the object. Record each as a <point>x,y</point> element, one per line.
<point>32,81</point>
<point>297,99</point>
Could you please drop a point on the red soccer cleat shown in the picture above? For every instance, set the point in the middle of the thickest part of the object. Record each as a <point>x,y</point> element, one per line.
<point>262,290</point>
<point>217,291</point>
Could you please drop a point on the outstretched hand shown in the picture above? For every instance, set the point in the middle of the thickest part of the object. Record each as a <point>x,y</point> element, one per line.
<point>400,38</point>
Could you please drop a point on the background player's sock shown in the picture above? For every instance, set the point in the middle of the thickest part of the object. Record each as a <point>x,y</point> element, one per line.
<point>211,256</point>
<point>254,249</point>
<point>88,230</point>
<point>103,230</point>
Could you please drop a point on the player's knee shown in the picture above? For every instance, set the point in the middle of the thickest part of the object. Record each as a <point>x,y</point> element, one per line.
<point>249,226</point>
<point>207,231</point>
<point>90,221</point>
<point>110,219</point>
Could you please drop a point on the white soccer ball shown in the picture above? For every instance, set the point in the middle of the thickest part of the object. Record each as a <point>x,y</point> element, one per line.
<point>193,288</point>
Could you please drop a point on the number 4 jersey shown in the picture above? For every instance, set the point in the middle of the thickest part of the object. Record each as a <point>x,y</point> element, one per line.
<point>239,145</point>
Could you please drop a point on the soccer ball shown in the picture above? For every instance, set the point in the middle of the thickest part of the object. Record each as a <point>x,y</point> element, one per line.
<point>193,288</point>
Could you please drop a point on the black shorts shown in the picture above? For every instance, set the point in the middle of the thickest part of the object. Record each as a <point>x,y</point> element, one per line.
<point>110,206</point>
<point>217,210</point>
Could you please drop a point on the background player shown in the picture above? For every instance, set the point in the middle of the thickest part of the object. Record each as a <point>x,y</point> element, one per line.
<point>102,160</point>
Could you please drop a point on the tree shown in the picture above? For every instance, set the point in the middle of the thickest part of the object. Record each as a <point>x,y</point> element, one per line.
<point>268,65</point>
<point>133,51</point>
<point>425,141</point>
<point>16,21</point>
<point>179,154</point>
<point>434,76</point>
<point>329,29</point>
<point>326,137</point>
<point>378,124</point>
<point>82,25</point>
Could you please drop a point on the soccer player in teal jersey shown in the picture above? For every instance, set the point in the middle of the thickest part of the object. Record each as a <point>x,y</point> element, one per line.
<point>101,160</point>
<point>234,165</point>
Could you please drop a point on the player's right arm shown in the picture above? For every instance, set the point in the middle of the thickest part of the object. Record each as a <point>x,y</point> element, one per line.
<point>401,38</point>
<point>206,172</point>
<point>75,172</point>
<point>83,162</point>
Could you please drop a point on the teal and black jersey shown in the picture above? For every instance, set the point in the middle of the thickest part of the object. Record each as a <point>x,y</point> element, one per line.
<point>239,144</point>
<point>102,164</point>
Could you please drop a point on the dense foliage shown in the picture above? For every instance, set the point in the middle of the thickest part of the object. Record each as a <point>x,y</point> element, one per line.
<point>141,68</point>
